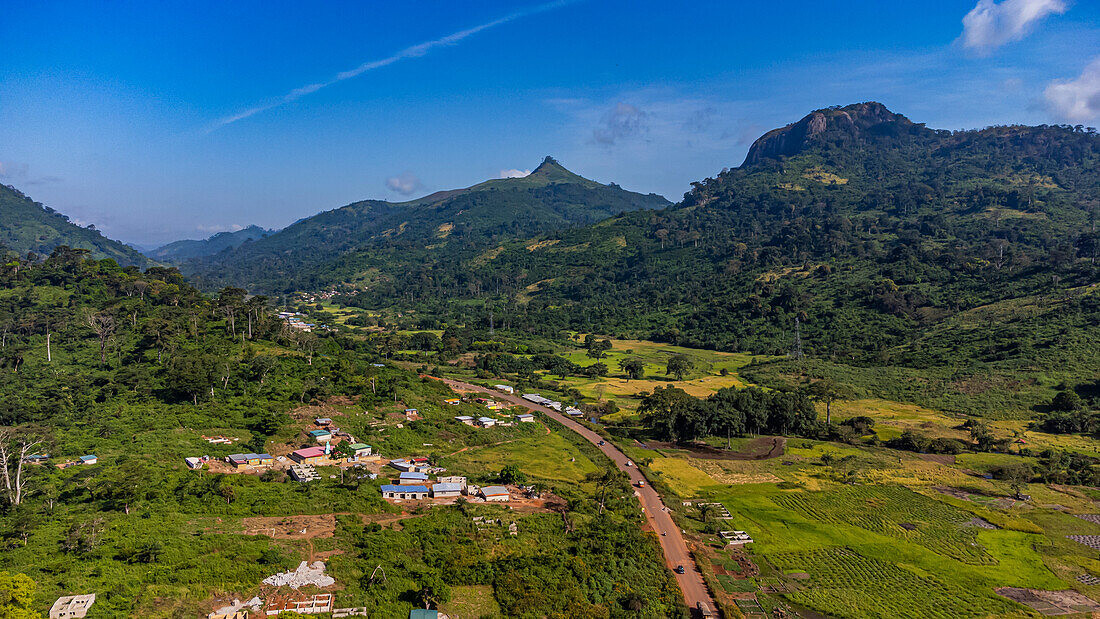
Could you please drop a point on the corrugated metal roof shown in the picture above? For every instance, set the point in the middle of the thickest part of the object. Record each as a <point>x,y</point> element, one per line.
<point>405,489</point>
<point>488,490</point>
<point>447,488</point>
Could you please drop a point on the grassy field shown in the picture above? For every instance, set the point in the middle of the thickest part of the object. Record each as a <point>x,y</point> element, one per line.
<point>475,601</point>
<point>705,377</point>
<point>549,457</point>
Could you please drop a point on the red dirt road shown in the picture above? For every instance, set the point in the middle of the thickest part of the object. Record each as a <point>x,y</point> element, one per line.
<point>672,542</point>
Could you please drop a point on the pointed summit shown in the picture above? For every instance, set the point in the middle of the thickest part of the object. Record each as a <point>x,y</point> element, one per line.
<point>553,172</point>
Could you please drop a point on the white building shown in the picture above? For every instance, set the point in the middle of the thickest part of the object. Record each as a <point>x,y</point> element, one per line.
<point>445,491</point>
<point>72,606</point>
<point>453,479</point>
<point>504,388</point>
<point>525,418</point>
<point>495,493</point>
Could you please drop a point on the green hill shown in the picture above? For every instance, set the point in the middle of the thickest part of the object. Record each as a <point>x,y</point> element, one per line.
<point>179,251</point>
<point>373,238</point>
<point>29,226</point>
<point>870,229</point>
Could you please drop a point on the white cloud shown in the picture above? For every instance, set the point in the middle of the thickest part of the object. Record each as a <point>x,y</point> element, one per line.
<point>1076,101</point>
<point>513,173</point>
<point>405,183</point>
<point>415,51</point>
<point>990,25</point>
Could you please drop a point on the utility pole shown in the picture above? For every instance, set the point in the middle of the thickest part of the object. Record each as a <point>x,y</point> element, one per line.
<point>491,327</point>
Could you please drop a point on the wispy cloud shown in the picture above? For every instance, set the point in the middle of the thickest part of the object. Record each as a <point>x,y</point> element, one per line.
<point>415,51</point>
<point>405,183</point>
<point>1078,100</point>
<point>619,123</point>
<point>514,173</point>
<point>990,25</point>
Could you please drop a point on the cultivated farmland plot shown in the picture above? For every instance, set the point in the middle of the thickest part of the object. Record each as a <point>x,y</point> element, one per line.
<point>896,512</point>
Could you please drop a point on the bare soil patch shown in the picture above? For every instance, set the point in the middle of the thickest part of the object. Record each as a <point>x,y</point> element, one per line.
<point>1051,602</point>
<point>291,527</point>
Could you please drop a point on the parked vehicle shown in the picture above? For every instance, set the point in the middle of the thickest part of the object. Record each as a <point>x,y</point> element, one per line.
<point>679,569</point>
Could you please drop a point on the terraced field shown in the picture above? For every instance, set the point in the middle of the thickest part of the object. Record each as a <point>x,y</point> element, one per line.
<point>896,512</point>
<point>844,583</point>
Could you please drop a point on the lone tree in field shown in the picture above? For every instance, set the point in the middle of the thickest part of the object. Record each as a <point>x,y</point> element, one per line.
<point>596,348</point>
<point>678,365</point>
<point>827,391</point>
<point>634,368</point>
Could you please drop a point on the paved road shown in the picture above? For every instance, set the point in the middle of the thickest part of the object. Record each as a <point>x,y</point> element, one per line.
<point>672,542</point>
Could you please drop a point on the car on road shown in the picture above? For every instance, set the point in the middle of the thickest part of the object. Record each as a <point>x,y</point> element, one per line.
<point>640,484</point>
<point>629,463</point>
<point>601,443</point>
<point>679,569</point>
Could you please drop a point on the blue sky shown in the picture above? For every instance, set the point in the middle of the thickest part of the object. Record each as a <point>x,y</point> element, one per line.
<point>158,121</point>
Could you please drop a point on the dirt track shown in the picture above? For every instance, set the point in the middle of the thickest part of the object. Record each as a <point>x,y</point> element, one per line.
<point>672,542</point>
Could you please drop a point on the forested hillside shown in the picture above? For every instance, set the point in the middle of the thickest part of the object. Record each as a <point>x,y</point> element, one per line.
<point>179,251</point>
<point>883,238</point>
<point>29,226</point>
<point>374,240</point>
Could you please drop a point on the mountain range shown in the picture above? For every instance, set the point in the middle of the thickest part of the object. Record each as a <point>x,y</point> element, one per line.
<point>878,234</point>
<point>866,236</point>
<point>179,251</point>
<point>446,225</point>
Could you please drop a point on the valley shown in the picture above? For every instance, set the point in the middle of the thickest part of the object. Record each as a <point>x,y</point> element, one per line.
<point>853,377</point>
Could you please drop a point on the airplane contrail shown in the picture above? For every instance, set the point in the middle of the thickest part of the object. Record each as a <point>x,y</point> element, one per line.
<point>415,51</point>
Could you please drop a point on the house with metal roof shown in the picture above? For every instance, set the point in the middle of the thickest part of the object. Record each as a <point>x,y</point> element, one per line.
<point>486,422</point>
<point>410,477</point>
<point>466,419</point>
<point>445,491</point>
<point>404,492</point>
<point>525,417</point>
<point>88,459</point>
<point>320,435</point>
<point>495,493</point>
<point>310,455</point>
<point>423,613</point>
<point>359,449</point>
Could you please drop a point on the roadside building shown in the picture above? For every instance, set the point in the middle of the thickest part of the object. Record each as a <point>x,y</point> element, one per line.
<point>505,388</point>
<point>495,493</point>
<point>71,606</point>
<point>404,492</point>
<point>310,455</point>
<point>88,459</point>
<point>446,491</point>
<point>574,412</point>
<point>525,418</point>
<point>411,477</point>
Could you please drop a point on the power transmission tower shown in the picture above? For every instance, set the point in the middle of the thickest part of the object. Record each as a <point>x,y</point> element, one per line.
<point>796,353</point>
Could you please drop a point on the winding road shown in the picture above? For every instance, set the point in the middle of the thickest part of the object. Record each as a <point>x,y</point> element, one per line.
<point>672,542</point>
